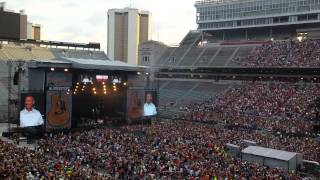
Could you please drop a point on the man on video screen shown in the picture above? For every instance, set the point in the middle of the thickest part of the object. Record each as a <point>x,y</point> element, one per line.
<point>30,117</point>
<point>149,108</point>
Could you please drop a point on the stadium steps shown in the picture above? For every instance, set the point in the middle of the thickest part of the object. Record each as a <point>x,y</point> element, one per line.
<point>207,90</point>
<point>176,55</point>
<point>163,85</point>
<point>190,47</point>
<point>191,57</point>
<point>187,94</point>
<point>166,56</point>
<point>242,52</point>
<point>169,96</point>
<point>169,112</point>
<point>214,56</point>
<point>224,54</point>
<point>3,55</point>
<point>202,52</point>
<point>18,53</point>
<point>42,53</point>
<point>191,38</point>
<point>174,90</point>
<point>206,56</point>
<point>232,56</point>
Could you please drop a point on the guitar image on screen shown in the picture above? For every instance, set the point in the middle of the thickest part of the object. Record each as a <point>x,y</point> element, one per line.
<point>135,107</point>
<point>58,114</point>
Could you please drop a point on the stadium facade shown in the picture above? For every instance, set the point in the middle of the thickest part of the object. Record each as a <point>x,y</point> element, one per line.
<point>258,19</point>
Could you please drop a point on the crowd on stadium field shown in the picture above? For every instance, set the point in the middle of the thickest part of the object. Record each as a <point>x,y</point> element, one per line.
<point>24,163</point>
<point>273,106</point>
<point>165,150</point>
<point>284,54</point>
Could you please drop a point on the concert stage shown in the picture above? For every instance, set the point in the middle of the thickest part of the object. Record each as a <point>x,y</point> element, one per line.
<point>74,93</point>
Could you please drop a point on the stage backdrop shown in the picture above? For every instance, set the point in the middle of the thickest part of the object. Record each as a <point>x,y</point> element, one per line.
<point>135,100</point>
<point>59,110</point>
<point>59,101</point>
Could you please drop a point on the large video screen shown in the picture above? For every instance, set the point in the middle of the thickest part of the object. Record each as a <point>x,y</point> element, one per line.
<point>150,103</point>
<point>59,109</point>
<point>141,104</point>
<point>135,104</point>
<point>31,110</point>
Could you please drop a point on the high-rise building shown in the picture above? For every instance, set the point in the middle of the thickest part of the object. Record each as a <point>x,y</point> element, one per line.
<point>12,25</point>
<point>127,28</point>
<point>34,31</point>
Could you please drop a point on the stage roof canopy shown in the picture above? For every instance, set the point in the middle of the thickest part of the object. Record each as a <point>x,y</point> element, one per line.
<point>87,64</point>
<point>270,153</point>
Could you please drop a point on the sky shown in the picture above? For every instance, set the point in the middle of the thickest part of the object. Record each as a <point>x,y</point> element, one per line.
<point>85,21</point>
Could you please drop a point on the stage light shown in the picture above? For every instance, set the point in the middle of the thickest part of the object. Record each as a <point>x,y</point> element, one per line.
<point>124,83</point>
<point>77,86</point>
<point>66,70</point>
<point>78,83</point>
<point>147,73</point>
<point>52,69</point>
<point>95,92</point>
<point>105,92</point>
<point>103,83</point>
<point>138,73</point>
<point>93,89</point>
<point>74,92</point>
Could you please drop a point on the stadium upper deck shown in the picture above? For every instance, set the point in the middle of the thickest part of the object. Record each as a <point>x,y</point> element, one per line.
<point>248,19</point>
<point>25,52</point>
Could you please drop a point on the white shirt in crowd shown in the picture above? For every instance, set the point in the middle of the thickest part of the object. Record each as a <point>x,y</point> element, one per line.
<point>30,118</point>
<point>149,109</point>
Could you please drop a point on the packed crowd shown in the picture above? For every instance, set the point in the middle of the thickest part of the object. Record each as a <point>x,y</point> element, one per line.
<point>272,106</point>
<point>177,150</point>
<point>284,54</point>
<point>166,150</point>
<point>181,150</point>
<point>23,163</point>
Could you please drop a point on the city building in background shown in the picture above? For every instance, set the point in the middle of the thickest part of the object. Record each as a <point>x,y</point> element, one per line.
<point>16,26</point>
<point>34,31</point>
<point>127,28</point>
<point>258,19</point>
<point>13,25</point>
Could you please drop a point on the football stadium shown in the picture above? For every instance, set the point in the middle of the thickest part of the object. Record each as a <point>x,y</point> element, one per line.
<point>237,98</point>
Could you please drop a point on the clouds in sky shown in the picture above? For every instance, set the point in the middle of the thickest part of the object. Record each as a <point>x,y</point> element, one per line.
<point>86,20</point>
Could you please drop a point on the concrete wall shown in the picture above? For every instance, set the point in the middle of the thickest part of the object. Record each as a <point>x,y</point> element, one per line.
<point>151,49</point>
<point>9,99</point>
